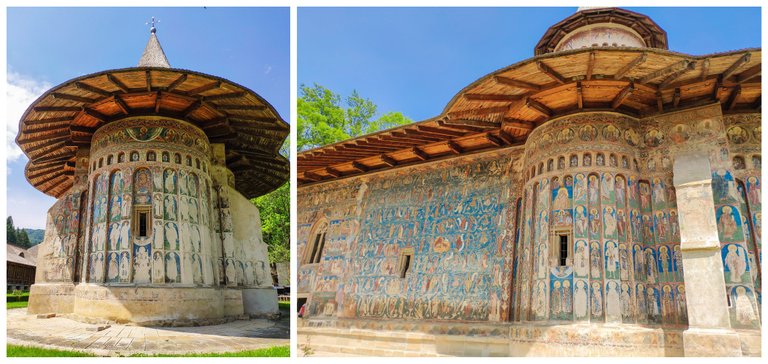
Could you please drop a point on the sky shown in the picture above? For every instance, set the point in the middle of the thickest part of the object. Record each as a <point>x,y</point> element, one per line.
<point>49,46</point>
<point>414,60</point>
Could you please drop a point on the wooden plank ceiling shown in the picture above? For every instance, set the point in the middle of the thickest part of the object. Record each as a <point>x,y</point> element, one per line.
<point>502,108</point>
<point>64,119</point>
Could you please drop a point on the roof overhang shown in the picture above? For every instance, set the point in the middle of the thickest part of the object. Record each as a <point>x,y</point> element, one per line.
<point>63,120</point>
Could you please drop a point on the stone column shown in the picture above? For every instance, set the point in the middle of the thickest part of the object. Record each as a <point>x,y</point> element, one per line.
<point>709,329</point>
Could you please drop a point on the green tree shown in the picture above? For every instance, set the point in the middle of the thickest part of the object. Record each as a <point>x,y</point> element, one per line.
<point>23,238</point>
<point>274,208</point>
<point>11,231</point>
<point>324,120</point>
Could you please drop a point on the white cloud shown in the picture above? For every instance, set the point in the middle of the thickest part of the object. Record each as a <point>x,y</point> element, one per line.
<point>267,69</point>
<point>21,91</point>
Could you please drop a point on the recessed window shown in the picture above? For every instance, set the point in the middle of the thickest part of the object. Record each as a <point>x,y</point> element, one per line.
<point>406,264</point>
<point>121,158</point>
<point>109,160</point>
<point>315,250</point>
<point>563,256</point>
<point>151,156</point>
<point>142,220</point>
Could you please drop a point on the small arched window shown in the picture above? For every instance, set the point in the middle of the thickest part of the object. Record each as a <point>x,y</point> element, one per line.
<point>189,161</point>
<point>756,162</point>
<point>177,158</point>
<point>550,164</point>
<point>109,160</point>
<point>738,162</point>
<point>166,157</point>
<point>314,250</point>
<point>574,160</point>
<point>587,161</point>
<point>600,159</point>
<point>151,156</point>
<point>134,156</point>
<point>120,157</point>
<point>561,163</point>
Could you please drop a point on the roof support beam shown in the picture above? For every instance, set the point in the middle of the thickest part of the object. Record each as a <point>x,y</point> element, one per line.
<point>704,69</point>
<point>494,139</point>
<point>748,74</point>
<point>732,99</point>
<point>718,88</point>
<point>231,95</point>
<point>62,96</point>
<point>434,130</point>
<point>333,172</point>
<point>739,62</point>
<point>518,124</point>
<point>758,104</point>
<point>50,120</point>
<point>516,83</point>
<point>473,123</point>
<point>550,72</point>
<point>313,176</point>
<point>120,104</point>
<point>490,97</point>
<point>158,96</point>
<point>590,65</point>
<point>506,137</point>
<point>362,168</point>
<point>454,147</point>
<point>148,78</point>
<point>203,88</point>
<point>623,94</point>
<point>176,82</point>
<point>56,108</point>
<point>463,114</point>
<point>579,95</point>
<point>538,107</point>
<point>676,98</point>
<point>674,76</point>
<point>388,160</point>
<point>95,114</point>
<point>630,66</point>
<point>118,83</point>
<point>92,89</point>
<point>659,102</point>
<point>419,153</point>
<point>665,71</point>
<point>192,107</point>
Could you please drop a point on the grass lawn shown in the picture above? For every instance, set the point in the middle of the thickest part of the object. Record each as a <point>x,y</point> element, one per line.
<point>22,304</point>
<point>28,351</point>
<point>284,305</point>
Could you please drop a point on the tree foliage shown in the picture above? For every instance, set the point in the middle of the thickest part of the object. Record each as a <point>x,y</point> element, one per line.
<point>17,236</point>
<point>275,210</point>
<point>11,231</point>
<point>323,119</point>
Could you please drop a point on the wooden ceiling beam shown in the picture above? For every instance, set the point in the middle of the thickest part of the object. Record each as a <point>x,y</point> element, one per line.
<point>444,123</point>
<point>551,72</point>
<point>333,172</point>
<point>227,96</point>
<point>718,88</point>
<point>81,129</point>
<point>203,88</point>
<point>62,134</point>
<point>240,107</point>
<point>176,83</point>
<point>704,69</point>
<point>494,139</point>
<point>454,147</point>
<point>516,83</point>
<point>63,96</point>
<point>388,160</point>
<point>758,104</point>
<point>53,176</point>
<point>49,120</point>
<point>738,63</point>
<point>362,168</point>
<point>676,98</point>
<point>506,137</point>
<point>590,65</point>
<point>192,108</point>
<point>518,124</point>
<point>623,95</point>
<point>148,80</point>
<point>579,95</point>
<point>434,130</point>
<point>158,98</point>
<point>121,105</point>
<point>675,75</point>
<point>92,89</point>
<point>481,124</point>
<point>95,114</point>
<point>492,97</point>
<point>55,143</point>
<point>119,84</point>
<point>659,102</point>
<point>665,71</point>
<point>418,138</point>
<point>56,108</point>
<point>417,132</point>
<point>46,128</point>
<point>731,103</point>
<point>420,153</point>
<point>313,175</point>
<point>630,66</point>
<point>747,74</point>
<point>538,107</point>
<point>464,114</point>
<point>52,158</point>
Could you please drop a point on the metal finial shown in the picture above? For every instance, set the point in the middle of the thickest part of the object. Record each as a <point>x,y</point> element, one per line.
<point>152,29</point>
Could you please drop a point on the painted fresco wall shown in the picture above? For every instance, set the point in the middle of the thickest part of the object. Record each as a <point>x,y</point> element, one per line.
<point>453,217</point>
<point>485,230</point>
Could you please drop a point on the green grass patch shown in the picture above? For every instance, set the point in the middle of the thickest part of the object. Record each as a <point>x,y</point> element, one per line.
<point>30,351</point>
<point>17,296</point>
<point>275,351</point>
<point>284,305</point>
<point>22,304</point>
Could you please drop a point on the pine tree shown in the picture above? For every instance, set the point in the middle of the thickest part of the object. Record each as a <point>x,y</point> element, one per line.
<point>23,239</point>
<point>11,231</point>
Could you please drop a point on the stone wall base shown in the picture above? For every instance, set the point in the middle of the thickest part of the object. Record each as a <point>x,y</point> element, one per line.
<point>260,302</point>
<point>400,338</point>
<point>51,298</point>
<point>710,342</point>
<point>146,306</point>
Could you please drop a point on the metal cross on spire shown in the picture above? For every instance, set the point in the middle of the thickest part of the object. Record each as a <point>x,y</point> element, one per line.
<point>152,29</point>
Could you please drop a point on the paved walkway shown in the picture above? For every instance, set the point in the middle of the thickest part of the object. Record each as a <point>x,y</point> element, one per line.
<point>123,340</point>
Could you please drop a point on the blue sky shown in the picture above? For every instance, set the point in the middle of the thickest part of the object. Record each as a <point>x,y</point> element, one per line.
<point>48,46</point>
<point>414,60</point>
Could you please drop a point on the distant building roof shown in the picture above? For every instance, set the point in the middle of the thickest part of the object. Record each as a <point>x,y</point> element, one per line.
<point>23,256</point>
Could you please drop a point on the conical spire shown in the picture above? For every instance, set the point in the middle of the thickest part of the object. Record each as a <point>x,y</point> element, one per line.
<point>153,55</point>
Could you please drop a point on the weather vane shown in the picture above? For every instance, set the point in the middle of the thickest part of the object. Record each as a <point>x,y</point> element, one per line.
<point>152,29</point>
